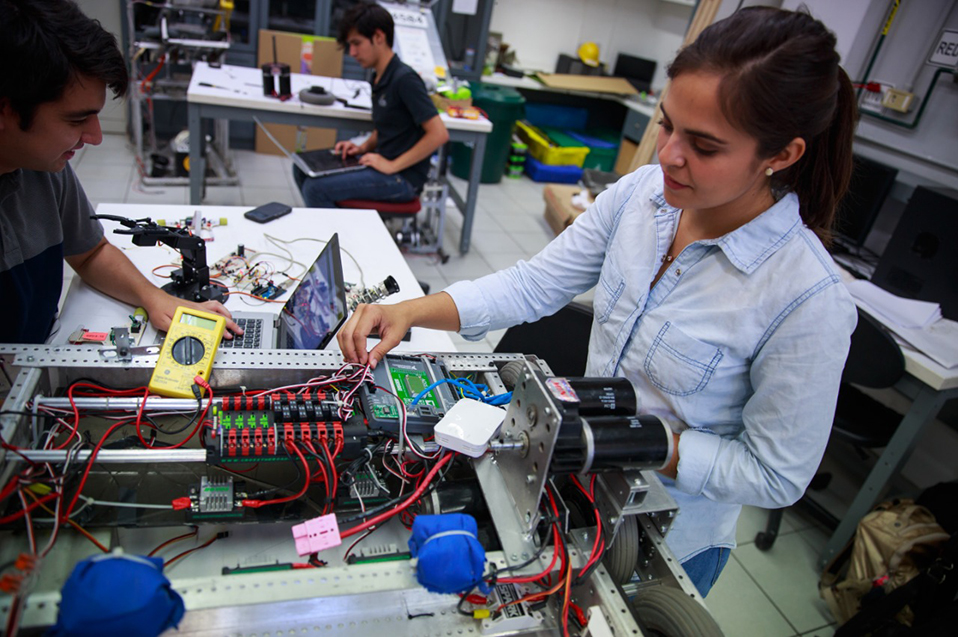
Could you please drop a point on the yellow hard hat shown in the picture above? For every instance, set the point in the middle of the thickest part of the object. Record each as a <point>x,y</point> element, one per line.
<point>589,53</point>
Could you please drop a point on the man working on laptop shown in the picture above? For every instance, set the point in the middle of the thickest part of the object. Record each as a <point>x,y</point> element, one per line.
<point>55,66</point>
<point>407,129</point>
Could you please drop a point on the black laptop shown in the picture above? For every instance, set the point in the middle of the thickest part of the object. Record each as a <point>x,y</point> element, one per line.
<point>317,163</point>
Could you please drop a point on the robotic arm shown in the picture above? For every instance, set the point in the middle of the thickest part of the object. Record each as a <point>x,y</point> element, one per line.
<point>192,280</point>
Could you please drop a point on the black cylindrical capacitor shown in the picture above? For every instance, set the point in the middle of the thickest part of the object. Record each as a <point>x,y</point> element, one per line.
<point>604,396</point>
<point>626,442</point>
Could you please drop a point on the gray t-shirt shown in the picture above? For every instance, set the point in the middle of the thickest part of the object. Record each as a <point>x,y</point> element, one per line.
<point>43,217</point>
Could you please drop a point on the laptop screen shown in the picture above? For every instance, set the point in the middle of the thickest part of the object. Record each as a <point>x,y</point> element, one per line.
<point>317,308</point>
<point>869,187</point>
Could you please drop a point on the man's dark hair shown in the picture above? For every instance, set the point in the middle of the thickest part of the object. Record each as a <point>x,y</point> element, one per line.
<point>45,45</point>
<point>366,18</point>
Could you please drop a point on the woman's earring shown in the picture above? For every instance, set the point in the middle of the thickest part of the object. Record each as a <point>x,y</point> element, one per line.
<point>769,172</point>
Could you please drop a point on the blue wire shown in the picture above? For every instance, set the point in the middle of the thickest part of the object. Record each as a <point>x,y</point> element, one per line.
<point>468,389</point>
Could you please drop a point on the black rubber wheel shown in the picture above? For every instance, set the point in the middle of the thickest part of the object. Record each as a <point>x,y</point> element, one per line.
<point>620,558</point>
<point>668,612</point>
<point>511,372</point>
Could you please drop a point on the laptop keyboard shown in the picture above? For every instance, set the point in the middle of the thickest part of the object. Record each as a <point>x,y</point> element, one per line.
<point>251,338</point>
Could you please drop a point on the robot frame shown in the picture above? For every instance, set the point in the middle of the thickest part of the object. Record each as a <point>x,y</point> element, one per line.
<point>553,429</point>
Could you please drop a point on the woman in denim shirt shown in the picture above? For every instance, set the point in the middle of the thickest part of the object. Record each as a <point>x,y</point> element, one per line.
<point>714,293</point>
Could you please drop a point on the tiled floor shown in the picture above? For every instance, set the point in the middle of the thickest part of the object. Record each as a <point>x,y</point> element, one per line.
<point>760,594</point>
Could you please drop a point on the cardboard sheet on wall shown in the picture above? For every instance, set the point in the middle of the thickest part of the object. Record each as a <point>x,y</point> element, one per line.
<point>305,54</point>
<point>591,83</point>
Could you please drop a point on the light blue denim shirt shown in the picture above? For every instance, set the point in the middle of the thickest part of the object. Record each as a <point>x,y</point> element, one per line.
<point>740,345</point>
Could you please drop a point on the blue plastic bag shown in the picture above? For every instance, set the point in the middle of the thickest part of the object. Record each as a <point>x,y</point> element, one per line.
<point>451,559</point>
<point>117,594</point>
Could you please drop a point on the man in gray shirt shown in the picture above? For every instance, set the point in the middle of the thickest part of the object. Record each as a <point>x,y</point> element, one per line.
<point>55,66</point>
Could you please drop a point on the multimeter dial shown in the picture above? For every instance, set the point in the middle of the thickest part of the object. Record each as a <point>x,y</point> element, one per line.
<point>188,351</point>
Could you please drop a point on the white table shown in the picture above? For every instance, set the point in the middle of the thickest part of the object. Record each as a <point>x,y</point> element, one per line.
<point>361,234</point>
<point>928,385</point>
<point>236,92</point>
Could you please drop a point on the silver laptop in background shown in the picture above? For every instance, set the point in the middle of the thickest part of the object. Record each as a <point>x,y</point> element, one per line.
<point>316,163</point>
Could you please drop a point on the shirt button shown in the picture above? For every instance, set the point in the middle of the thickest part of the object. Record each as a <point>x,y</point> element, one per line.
<point>678,271</point>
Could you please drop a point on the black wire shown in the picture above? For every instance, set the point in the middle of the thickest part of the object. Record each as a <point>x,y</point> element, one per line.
<point>196,414</point>
<point>39,414</point>
<point>542,547</point>
<point>298,478</point>
<point>462,600</point>
<point>322,460</point>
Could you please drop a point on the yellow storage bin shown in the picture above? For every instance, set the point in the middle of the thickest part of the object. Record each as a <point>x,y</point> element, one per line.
<point>546,151</point>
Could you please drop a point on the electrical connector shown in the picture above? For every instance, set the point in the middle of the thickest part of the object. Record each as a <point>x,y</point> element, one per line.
<point>11,583</point>
<point>317,534</point>
<point>25,562</point>
<point>181,503</point>
<point>898,100</point>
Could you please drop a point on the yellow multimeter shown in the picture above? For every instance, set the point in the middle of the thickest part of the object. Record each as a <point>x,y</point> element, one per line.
<point>187,352</point>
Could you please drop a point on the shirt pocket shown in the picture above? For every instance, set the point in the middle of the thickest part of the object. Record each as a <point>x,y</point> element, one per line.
<point>608,291</point>
<point>678,364</point>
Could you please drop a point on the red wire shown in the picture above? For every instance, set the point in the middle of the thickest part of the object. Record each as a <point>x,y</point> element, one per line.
<point>192,550</point>
<point>385,515</point>
<point>86,473</point>
<point>255,504</point>
<point>598,522</point>
<point>19,514</point>
<point>149,78</point>
<point>199,421</point>
<point>104,392</point>
<point>192,533</point>
<point>322,468</point>
<point>332,468</point>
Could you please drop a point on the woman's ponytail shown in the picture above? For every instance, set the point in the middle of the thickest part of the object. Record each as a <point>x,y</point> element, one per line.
<point>826,168</point>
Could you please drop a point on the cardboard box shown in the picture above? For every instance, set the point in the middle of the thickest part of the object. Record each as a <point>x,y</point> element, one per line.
<point>627,149</point>
<point>307,54</point>
<point>589,83</point>
<point>444,103</point>
<point>560,213</point>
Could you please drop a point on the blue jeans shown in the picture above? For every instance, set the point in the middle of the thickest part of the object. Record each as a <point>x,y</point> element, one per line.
<point>704,569</point>
<point>324,192</point>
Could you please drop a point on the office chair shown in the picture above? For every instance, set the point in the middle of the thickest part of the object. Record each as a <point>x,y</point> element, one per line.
<point>422,235</point>
<point>561,340</point>
<point>874,361</point>
<point>419,234</point>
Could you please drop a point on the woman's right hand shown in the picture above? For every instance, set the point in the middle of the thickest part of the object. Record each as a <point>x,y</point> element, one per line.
<point>347,148</point>
<point>390,321</point>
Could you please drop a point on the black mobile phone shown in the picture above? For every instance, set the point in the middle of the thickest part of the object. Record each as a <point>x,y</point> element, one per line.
<point>267,212</point>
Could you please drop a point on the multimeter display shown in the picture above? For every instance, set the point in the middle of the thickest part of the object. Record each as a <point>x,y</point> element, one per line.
<point>198,321</point>
<point>187,352</point>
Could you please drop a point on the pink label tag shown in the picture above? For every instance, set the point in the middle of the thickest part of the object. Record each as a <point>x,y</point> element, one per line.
<point>317,534</point>
<point>96,337</point>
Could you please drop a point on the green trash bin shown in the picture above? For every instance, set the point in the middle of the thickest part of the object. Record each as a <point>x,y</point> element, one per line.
<point>503,106</point>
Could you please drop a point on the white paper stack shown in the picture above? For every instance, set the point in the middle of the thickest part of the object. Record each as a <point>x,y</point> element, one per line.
<point>917,323</point>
